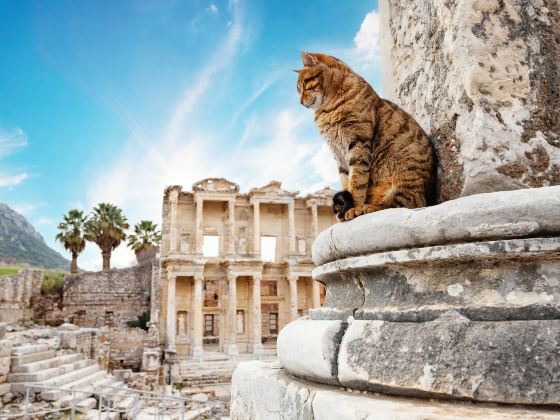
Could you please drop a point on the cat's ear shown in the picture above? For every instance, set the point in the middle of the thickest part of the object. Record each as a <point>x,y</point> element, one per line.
<point>309,60</point>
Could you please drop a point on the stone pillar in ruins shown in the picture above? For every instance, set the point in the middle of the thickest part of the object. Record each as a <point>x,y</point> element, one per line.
<point>197,315</point>
<point>199,234</point>
<point>256,229</point>
<point>230,247</point>
<point>256,314</point>
<point>173,199</point>
<point>171,322</point>
<point>231,317</point>
<point>483,79</point>
<point>292,227</point>
<point>293,280</point>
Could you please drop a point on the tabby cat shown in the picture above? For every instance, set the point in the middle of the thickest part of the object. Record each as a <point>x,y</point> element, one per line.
<point>384,157</point>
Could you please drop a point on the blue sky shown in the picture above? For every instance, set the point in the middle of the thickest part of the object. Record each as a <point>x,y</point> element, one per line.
<point>112,101</point>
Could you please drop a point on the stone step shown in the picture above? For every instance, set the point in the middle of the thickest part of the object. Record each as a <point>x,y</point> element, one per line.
<point>95,415</point>
<point>66,401</point>
<point>58,381</point>
<point>117,395</point>
<point>29,349</point>
<point>32,357</point>
<point>45,374</point>
<point>82,381</point>
<point>47,363</point>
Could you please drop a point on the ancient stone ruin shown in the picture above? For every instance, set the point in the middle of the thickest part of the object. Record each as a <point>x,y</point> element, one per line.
<point>450,311</point>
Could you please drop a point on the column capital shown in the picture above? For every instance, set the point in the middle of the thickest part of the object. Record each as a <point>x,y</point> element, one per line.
<point>257,276</point>
<point>199,276</point>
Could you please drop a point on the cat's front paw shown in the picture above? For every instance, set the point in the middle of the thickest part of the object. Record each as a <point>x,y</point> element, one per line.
<point>352,213</point>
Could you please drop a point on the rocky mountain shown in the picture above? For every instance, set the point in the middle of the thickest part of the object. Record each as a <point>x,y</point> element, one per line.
<point>21,243</point>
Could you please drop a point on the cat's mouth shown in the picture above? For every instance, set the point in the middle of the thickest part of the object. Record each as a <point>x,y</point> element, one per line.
<point>314,102</point>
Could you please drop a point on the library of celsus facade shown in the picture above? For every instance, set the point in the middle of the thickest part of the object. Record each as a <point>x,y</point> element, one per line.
<point>236,268</point>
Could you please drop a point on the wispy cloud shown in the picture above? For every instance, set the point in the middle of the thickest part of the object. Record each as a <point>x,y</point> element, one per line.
<point>212,9</point>
<point>10,141</point>
<point>7,180</point>
<point>43,221</point>
<point>27,209</point>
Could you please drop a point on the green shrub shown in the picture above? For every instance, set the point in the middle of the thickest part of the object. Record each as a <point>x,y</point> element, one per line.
<point>53,282</point>
<point>8,270</point>
<point>141,322</point>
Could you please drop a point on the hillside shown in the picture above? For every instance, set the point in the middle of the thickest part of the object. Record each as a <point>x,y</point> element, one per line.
<point>21,243</point>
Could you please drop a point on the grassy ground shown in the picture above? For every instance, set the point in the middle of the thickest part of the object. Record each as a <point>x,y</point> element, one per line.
<point>8,270</point>
<point>53,281</point>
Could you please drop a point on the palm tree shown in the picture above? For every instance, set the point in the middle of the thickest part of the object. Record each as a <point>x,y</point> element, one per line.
<point>71,235</point>
<point>106,228</point>
<point>145,238</point>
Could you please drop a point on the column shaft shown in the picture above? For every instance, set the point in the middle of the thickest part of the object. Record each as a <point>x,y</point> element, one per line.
<point>171,327</point>
<point>173,199</point>
<point>316,294</point>
<point>292,227</point>
<point>256,305</point>
<point>256,229</point>
<point>314,220</point>
<point>197,316</point>
<point>293,297</point>
<point>199,238</point>
<point>232,315</point>
<point>231,227</point>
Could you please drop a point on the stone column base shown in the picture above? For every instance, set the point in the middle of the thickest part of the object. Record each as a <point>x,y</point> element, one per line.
<point>197,351</point>
<point>258,348</point>
<point>231,350</point>
<point>265,391</point>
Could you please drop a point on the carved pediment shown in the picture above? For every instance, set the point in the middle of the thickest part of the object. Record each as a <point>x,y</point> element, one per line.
<point>321,197</point>
<point>272,189</point>
<point>221,185</point>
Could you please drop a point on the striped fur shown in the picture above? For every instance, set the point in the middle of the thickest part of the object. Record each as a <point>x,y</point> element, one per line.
<point>384,157</point>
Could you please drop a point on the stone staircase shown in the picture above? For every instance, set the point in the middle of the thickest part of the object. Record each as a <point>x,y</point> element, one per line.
<point>40,366</point>
<point>216,368</point>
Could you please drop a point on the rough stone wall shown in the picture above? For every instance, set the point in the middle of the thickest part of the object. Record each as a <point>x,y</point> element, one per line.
<point>16,293</point>
<point>482,78</point>
<point>109,298</point>
<point>125,347</point>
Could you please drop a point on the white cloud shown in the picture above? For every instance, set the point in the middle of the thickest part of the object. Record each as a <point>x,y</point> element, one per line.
<point>366,41</point>
<point>10,142</point>
<point>27,209</point>
<point>212,9</point>
<point>7,180</point>
<point>43,221</point>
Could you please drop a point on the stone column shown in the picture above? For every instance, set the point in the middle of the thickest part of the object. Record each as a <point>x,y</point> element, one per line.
<point>256,306</point>
<point>199,238</point>
<point>231,323</point>
<point>171,327</point>
<point>482,79</point>
<point>316,294</point>
<point>197,348</point>
<point>256,230</point>
<point>292,227</point>
<point>173,200</point>
<point>293,296</point>
<point>230,248</point>
<point>314,220</point>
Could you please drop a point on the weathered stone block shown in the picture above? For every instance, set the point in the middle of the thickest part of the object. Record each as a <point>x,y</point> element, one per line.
<point>265,391</point>
<point>501,215</point>
<point>512,362</point>
<point>4,365</point>
<point>317,345</point>
<point>483,79</point>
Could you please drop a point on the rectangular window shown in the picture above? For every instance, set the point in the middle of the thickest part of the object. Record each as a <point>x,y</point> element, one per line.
<point>268,248</point>
<point>273,323</point>
<point>210,246</point>
<point>208,325</point>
